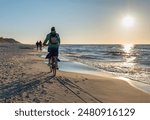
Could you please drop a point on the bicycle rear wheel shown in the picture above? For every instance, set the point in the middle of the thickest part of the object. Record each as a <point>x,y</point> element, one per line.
<point>54,66</point>
<point>50,65</point>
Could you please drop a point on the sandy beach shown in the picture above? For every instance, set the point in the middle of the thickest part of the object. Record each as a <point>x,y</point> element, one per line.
<point>25,78</point>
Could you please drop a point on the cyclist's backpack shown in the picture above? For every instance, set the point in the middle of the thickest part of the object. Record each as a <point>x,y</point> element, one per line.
<point>54,39</point>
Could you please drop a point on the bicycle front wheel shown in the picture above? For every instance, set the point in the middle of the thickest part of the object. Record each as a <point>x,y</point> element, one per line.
<point>54,71</point>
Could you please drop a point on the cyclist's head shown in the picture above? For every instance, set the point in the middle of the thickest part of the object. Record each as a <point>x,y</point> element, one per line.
<point>53,29</point>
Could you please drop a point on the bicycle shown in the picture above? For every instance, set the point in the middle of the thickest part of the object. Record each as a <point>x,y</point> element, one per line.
<point>52,62</point>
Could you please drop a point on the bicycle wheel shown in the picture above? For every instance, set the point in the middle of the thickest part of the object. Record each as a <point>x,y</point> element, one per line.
<point>54,66</point>
<point>50,65</point>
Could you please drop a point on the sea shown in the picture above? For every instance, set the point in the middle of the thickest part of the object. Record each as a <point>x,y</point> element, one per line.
<point>122,60</point>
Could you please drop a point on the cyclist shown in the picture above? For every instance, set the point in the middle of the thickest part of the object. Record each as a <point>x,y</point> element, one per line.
<point>53,41</point>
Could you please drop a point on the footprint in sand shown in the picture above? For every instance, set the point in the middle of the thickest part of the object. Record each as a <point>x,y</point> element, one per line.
<point>76,81</point>
<point>42,86</point>
<point>43,92</point>
<point>26,95</point>
<point>66,91</point>
<point>49,82</point>
<point>78,92</point>
<point>84,79</point>
<point>46,101</point>
<point>36,100</point>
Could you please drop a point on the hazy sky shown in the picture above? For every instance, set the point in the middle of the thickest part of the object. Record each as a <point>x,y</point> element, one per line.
<point>77,21</point>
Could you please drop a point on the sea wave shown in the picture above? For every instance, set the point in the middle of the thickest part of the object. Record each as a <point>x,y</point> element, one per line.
<point>133,63</point>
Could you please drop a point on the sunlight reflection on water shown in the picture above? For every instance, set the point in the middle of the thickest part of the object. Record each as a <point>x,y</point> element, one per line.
<point>127,48</point>
<point>128,55</point>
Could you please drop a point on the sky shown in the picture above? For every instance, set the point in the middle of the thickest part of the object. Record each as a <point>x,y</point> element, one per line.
<point>76,21</point>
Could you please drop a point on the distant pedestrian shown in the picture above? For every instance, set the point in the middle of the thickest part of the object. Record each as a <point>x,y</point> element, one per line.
<point>37,45</point>
<point>40,44</point>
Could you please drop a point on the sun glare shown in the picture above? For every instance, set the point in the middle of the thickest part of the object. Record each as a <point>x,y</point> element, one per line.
<point>128,21</point>
<point>127,48</point>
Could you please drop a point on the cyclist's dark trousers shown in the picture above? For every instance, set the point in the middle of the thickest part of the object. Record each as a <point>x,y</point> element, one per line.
<point>53,51</point>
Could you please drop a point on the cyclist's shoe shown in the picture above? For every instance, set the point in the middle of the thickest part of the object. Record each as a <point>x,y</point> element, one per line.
<point>58,60</point>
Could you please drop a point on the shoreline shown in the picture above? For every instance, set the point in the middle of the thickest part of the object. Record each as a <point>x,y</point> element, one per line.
<point>77,67</point>
<point>29,81</point>
<point>100,74</point>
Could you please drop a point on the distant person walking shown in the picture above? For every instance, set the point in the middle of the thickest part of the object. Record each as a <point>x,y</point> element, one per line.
<point>37,45</point>
<point>40,45</point>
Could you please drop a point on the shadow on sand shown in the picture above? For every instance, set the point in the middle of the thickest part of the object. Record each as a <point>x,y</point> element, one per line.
<point>17,87</point>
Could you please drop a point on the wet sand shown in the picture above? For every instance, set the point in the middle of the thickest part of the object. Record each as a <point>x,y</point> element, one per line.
<point>25,78</point>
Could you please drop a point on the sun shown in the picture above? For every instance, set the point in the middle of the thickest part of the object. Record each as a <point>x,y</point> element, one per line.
<point>128,21</point>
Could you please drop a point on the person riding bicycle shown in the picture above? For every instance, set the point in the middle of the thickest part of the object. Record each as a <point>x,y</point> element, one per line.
<point>53,41</point>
